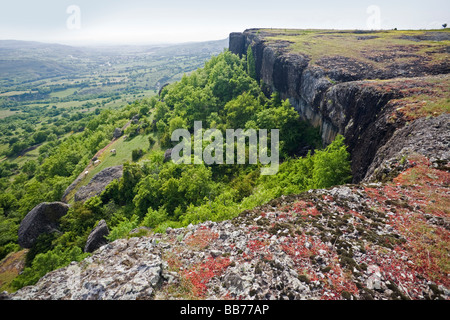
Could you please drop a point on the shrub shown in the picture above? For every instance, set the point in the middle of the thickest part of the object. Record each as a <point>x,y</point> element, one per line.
<point>136,154</point>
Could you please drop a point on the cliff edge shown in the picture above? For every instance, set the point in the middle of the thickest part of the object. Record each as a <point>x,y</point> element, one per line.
<point>362,84</point>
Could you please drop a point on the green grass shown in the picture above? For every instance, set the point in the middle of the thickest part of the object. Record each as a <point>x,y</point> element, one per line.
<point>362,46</point>
<point>123,154</point>
<point>63,93</point>
<point>6,113</point>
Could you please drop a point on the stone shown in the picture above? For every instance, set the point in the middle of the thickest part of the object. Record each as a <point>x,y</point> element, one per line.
<point>44,218</point>
<point>98,183</point>
<point>167,155</point>
<point>117,133</point>
<point>97,237</point>
<point>232,280</point>
<point>135,119</point>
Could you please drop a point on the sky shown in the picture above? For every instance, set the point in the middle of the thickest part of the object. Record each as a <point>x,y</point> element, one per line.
<point>173,21</point>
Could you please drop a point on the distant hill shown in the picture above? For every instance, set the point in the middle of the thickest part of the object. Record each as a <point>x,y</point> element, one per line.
<point>26,61</point>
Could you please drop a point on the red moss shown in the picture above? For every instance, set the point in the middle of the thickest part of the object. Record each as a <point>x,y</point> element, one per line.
<point>200,275</point>
<point>201,238</point>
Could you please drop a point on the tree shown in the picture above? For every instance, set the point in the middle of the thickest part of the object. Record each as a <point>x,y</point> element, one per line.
<point>251,67</point>
<point>240,110</point>
<point>331,166</point>
<point>444,25</point>
<point>136,154</point>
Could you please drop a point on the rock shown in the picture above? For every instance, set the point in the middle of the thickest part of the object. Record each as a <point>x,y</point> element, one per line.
<point>70,188</point>
<point>167,155</point>
<point>135,119</point>
<point>44,218</point>
<point>232,280</point>
<point>4,295</point>
<point>97,237</point>
<point>412,139</point>
<point>117,133</point>
<point>98,183</point>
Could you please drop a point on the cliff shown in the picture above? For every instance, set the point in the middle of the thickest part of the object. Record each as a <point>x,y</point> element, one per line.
<point>354,83</point>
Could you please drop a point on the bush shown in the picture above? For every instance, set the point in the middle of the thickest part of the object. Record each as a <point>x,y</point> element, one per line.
<point>154,217</point>
<point>124,227</point>
<point>332,165</point>
<point>136,154</point>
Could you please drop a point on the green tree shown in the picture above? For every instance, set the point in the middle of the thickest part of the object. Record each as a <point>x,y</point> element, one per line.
<point>251,67</point>
<point>240,110</point>
<point>331,165</point>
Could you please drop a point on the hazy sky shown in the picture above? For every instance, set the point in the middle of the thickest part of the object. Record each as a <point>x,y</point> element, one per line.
<point>138,21</point>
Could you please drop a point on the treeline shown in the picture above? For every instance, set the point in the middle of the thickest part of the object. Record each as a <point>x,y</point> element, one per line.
<point>157,194</point>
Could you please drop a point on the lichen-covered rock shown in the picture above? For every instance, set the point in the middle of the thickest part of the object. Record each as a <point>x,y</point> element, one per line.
<point>98,183</point>
<point>44,218</point>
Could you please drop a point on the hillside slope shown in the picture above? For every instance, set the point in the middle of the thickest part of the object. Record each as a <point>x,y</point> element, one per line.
<point>366,241</point>
<point>384,237</point>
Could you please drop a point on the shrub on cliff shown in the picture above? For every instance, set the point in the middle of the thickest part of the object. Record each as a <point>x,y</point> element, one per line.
<point>331,165</point>
<point>324,169</point>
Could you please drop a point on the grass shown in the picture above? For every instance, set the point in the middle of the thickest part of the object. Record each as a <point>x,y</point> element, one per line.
<point>123,147</point>
<point>379,48</point>
<point>420,97</point>
<point>10,267</point>
<point>4,113</point>
<point>63,93</point>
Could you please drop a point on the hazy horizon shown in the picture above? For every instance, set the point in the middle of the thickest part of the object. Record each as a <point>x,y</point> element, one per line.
<point>104,22</point>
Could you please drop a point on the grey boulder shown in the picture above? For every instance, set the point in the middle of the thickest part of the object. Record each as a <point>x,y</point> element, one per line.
<point>44,218</point>
<point>98,183</point>
<point>97,237</point>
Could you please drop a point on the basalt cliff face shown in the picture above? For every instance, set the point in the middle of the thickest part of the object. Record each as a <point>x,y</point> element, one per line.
<point>350,83</point>
<point>384,237</point>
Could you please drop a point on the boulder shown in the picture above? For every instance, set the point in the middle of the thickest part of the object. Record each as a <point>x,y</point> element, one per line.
<point>98,183</point>
<point>135,119</point>
<point>44,218</point>
<point>97,237</point>
<point>167,155</point>
<point>117,133</point>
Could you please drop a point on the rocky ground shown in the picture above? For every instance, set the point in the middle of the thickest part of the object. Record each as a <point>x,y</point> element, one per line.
<point>366,241</point>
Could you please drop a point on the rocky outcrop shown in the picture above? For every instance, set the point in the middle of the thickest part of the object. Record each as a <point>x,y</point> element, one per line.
<point>117,133</point>
<point>98,183</point>
<point>426,136</point>
<point>44,218</point>
<point>348,242</point>
<point>333,91</point>
<point>97,237</point>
